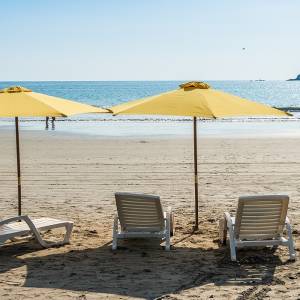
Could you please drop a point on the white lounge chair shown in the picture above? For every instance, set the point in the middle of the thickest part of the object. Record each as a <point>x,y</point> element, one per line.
<point>23,226</point>
<point>141,216</point>
<point>259,221</point>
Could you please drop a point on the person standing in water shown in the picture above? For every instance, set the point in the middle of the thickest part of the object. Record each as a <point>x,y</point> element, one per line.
<point>47,123</point>
<point>52,123</point>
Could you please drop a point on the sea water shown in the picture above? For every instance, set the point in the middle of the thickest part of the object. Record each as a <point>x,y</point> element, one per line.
<point>280,94</point>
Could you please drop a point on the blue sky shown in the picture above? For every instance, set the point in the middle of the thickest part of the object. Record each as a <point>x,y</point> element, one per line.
<point>149,40</point>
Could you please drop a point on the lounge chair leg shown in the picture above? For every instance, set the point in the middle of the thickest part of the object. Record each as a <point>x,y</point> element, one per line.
<point>168,232</point>
<point>167,246</point>
<point>290,241</point>
<point>115,242</point>
<point>2,243</point>
<point>172,224</point>
<point>69,228</point>
<point>223,231</point>
<point>115,234</point>
<point>227,225</point>
<point>292,250</point>
<point>172,220</point>
<point>232,251</point>
<point>232,245</point>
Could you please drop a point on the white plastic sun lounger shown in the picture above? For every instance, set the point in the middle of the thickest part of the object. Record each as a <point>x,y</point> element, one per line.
<point>23,226</point>
<point>259,221</point>
<point>141,216</point>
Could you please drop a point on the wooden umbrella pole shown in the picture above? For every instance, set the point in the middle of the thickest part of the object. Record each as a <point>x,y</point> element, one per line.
<point>196,174</point>
<point>18,167</point>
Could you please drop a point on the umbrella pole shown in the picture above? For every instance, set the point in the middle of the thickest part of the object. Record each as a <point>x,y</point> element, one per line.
<point>18,166</point>
<point>196,173</point>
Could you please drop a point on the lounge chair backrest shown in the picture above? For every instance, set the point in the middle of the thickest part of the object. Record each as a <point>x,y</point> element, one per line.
<point>138,212</point>
<point>260,217</point>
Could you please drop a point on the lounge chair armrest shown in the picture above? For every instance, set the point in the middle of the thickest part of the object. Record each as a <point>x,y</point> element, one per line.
<point>168,212</point>
<point>167,218</point>
<point>228,219</point>
<point>224,224</point>
<point>290,239</point>
<point>116,217</point>
<point>14,219</point>
<point>167,215</point>
<point>288,226</point>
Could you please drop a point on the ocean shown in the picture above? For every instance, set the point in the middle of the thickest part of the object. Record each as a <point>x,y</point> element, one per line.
<point>108,93</point>
<point>280,94</point>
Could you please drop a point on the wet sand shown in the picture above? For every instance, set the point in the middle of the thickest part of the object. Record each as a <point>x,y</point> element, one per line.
<point>73,177</point>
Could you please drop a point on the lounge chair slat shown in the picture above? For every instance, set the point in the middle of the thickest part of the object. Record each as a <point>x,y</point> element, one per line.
<point>261,231</point>
<point>244,225</point>
<point>261,213</point>
<point>260,217</point>
<point>150,207</point>
<point>135,211</point>
<point>142,220</point>
<point>263,203</point>
<point>259,221</point>
<point>258,226</point>
<point>262,208</point>
<point>255,237</point>
<point>271,205</point>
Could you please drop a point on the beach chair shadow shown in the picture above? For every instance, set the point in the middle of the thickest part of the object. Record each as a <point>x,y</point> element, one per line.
<point>137,272</point>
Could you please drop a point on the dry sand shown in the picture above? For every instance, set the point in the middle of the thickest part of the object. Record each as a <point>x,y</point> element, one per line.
<point>73,177</point>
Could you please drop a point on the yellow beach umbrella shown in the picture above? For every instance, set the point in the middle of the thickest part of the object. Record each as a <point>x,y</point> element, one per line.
<point>21,102</point>
<point>196,99</point>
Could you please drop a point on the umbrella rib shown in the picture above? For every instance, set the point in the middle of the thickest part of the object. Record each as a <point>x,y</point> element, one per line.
<point>213,116</point>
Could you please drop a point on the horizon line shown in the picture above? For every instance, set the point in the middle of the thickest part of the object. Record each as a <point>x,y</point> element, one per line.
<point>145,80</point>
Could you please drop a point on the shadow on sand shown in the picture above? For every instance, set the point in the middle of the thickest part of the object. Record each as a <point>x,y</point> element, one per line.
<point>137,272</point>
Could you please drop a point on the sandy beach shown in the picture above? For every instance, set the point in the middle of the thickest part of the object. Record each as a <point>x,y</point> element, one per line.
<point>74,177</point>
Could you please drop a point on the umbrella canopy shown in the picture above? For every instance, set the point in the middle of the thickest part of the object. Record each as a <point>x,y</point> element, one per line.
<point>196,99</point>
<point>21,102</point>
